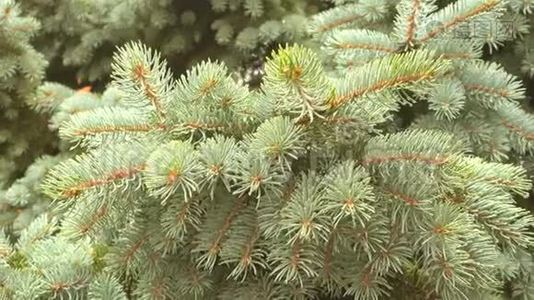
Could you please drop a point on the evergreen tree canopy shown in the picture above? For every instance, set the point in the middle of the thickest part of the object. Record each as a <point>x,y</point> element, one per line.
<point>382,153</point>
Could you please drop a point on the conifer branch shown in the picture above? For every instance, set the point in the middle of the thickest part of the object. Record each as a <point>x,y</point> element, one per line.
<point>519,124</point>
<point>138,71</point>
<point>390,72</point>
<point>335,18</point>
<point>215,246</point>
<point>116,175</point>
<point>404,197</point>
<point>210,244</point>
<point>86,172</point>
<point>95,127</point>
<point>407,147</point>
<point>410,17</point>
<point>439,160</point>
<point>410,34</point>
<point>94,219</point>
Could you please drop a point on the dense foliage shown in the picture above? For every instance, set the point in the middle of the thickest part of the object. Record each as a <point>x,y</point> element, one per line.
<point>379,151</point>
